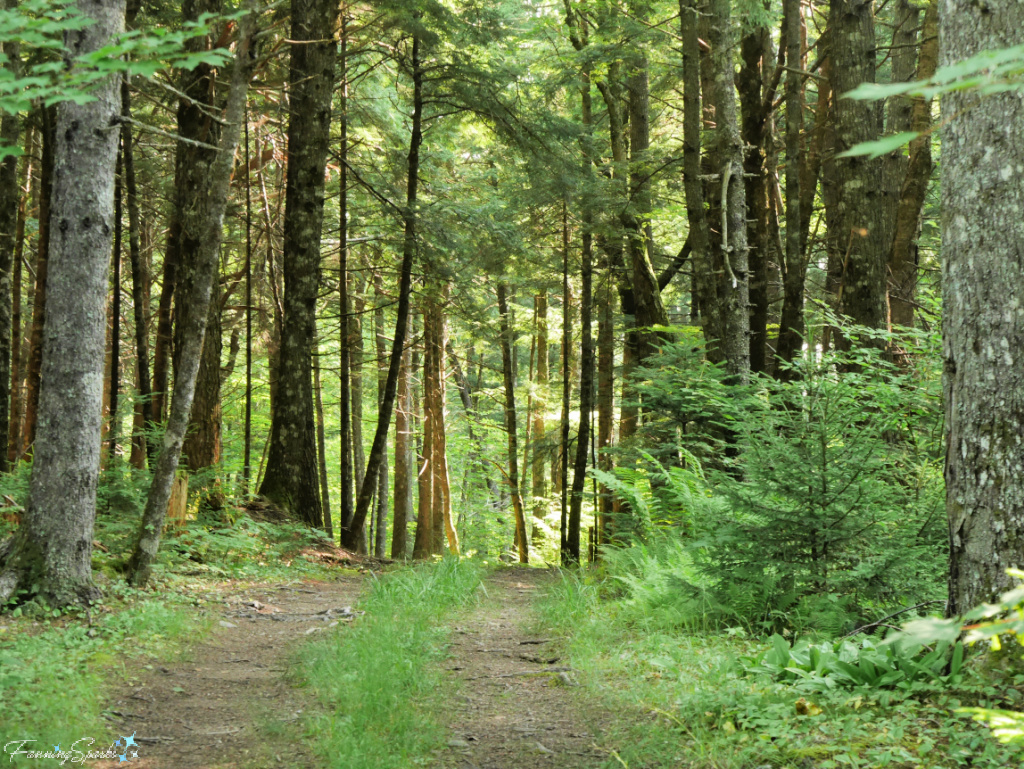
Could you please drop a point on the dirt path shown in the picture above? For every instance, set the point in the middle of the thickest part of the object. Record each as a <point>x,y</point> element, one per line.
<point>212,709</point>
<point>519,704</point>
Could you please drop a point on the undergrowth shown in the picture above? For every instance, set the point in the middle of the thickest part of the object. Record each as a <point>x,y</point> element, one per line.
<point>56,670</point>
<point>716,700</point>
<point>378,680</point>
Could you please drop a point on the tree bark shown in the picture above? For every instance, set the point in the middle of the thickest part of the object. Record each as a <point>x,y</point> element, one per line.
<point>143,557</point>
<point>404,463</point>
<point>860,199</point>
<point>983,326</point>
<point>522,544</point>
<point>537,443</point>
<point>115,313</point>
<point>903,261</point>
<point>791,324</point>
<point>10,196</point>
<point>35,352</point>
<point>345,467</point>
<point>321,441</point>
<point>140,277</point>
<point>381,527</point>
<point>51,554</point>
<point>17,402</point>
<point>291,480</point>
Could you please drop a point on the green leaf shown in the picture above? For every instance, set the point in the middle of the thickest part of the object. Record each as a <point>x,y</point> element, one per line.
<point>880,147</point>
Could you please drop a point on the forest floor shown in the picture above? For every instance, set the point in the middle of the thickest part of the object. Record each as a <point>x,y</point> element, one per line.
<point>213,707</point>
<point>519,704</point>
<point>226,701</point>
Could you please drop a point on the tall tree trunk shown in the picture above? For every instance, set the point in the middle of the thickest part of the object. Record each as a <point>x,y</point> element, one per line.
<point>291,480</point>
<point>10,196</point>
<point>51,555</point>
<point>728,157</point>
<point>35,352</point>
<point>860,200</point>
<point>791,324</point>
<point>402,313</point>
<point>321,440</point>
<point>903,256</point>
<point>563,442</point>
<point>140,277</point>
<point>605,403</point>
<point>537,442</point>
<point>756,97</point>
<point>115,312</point>
<point>404,463</point>
<point>423,546</point>
<point>522,543</point>
<point>356,356</point>
<point>17,403</point>
<point>649,308</point>
<point>345,467</point>
<point>144,555</point>
<point>247,450</point>
<point>381,527</point>
<point>700,236</point>
<point>192,182</point>
<point>983,327</point>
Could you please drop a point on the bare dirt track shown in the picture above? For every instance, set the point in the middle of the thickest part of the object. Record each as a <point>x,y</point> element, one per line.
<point>211,710</point>
<point>227,704</point>
<point>519,705</point>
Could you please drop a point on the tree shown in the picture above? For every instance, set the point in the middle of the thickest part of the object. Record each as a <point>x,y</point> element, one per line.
<point>51,553</point>
<point>291,480</point>
<point>983,324</point>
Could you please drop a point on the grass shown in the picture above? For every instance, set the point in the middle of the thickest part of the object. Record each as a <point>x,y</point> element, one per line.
<point>378,681</point>
<point>686,699</point>
<point>55,671</point>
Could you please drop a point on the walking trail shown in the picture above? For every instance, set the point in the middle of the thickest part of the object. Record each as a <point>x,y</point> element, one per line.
<point>226,703</point>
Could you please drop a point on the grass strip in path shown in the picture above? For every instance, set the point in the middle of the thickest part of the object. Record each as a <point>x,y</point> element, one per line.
<point>379,681</point>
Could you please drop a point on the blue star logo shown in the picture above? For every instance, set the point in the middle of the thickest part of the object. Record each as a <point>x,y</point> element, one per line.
<point>129,741</point>
<point>118,742</point>
<point>56,748</point>
<point>122,758</point>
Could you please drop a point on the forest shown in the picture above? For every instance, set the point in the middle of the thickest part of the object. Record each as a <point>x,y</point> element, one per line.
<point>653,362</point>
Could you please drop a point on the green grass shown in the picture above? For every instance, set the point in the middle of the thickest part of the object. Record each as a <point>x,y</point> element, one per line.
<point>686,699</point>
<point>379,680</point>
<point>55,672</point>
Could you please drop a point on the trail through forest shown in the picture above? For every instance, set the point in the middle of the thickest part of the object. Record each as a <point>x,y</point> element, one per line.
<point>517,703</point>
<point>217,706</point>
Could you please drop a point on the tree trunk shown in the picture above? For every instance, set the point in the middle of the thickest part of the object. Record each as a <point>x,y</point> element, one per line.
<point>140,278</point>
<point>10,196</point>
<point>700,236</point>
<point>141,563</point>
<point>402,313</point>
<point>115,313</point>
<point>192,182</point>
<point>35,352</point>
<point>51,555</point>
<point>404,463</point>
<point>17,403</point>
<point>860,199</point>
<point>983,327</point>
<point>381,527</point>
<point>321,441</point>
<point>728,158</point>
<point>345,467</point>
<point>605,402</point>
<point>522,543</point>
<point>791,325</point>
<point>903,256</point>
<point>537,442</point>
<point>291,480</point>
<point>423,546</point>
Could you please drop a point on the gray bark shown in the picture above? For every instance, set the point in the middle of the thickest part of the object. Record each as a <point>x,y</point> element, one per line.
<point>983,297</point>
<point>52,552</point>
